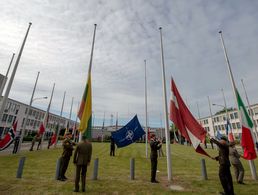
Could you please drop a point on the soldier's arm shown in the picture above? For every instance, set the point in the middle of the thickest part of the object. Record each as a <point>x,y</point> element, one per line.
<point>67,145</point>
<point>158,145</point>
<point>212,140</point>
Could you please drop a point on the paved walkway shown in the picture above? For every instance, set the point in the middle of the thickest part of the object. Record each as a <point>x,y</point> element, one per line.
<point>26,147</point>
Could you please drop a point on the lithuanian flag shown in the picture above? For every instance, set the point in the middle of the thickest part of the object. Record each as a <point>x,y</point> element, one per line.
<point>85,111</point>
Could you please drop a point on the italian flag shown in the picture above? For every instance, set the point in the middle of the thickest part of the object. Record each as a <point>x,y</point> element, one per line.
<point>85,111</point>
<point>247,140</point>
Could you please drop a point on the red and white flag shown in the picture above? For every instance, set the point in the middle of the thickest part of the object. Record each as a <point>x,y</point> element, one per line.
<point>188,126</point>
<point>247,140</point>
<point>9,137</point>
<point>53,139</point>
<point>41,129</point>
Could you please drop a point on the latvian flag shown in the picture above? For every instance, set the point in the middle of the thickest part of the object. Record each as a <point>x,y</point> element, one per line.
<point>188,126</point>
<point>9,137</point>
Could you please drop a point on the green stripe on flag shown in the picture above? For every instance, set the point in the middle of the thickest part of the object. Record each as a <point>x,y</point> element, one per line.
<point>244,114</point>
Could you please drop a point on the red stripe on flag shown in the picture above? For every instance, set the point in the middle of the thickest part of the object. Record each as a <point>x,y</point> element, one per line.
<point>248,144</point>
<point>41,129</point>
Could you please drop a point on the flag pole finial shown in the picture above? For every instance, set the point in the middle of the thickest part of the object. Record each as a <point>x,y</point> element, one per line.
<point>220,32</point>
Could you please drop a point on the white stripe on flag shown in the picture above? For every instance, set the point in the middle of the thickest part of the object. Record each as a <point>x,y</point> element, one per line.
<point>195,141</point>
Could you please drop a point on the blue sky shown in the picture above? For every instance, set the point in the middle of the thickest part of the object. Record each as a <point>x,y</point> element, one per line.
<point>60,39</point>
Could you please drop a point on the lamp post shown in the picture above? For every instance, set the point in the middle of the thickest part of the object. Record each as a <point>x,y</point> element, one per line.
<point>39,98</point>
<point>219,106</point>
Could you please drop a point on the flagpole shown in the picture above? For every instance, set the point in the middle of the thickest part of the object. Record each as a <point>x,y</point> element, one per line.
<point>212,123</point>
<point>93,119</point>
<point>4,100</point>
<point>199,115</point>
<point>61,113</point>
<point>251,163</point>
<point>116,120</point>
<point>146,111</point>
<point>46,116</point>
<point>225,103</point>
<point>251,111</point>
<point>168,151</point>
<point>6,75</point>
<point>27,115</point>
<point>76,119</point>
<point>226,108</point>
<point>70,114</point>
<point>103,125</point>
<point>161,133</point>
<point>92,48</point>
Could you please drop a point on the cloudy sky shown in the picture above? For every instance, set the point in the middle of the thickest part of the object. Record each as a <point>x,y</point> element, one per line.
<point>59,45</point>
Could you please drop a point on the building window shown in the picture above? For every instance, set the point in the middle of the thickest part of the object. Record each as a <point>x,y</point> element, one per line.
<point>4,117</point>
<point>13,107</point>
<point>9,104</point>
<point>236,115</point>
<point>14,119</point>
<point>35,123</point>
<point>23,122</point>
<point>255,110</point>
<point>31,122</point>
<point>10,119</point>
<point>231,116</point>
<point>234,125</point>
<point>36,115</point>
<point>238,126</point>
<point>26,110</point>
<point>30,112</point>
<point>28,122</point>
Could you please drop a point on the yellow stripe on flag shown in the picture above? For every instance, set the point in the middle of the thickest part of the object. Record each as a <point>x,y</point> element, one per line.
<point>85,123</point>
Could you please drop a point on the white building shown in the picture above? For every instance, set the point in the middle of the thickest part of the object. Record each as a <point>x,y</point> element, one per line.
<point>15,110</point>
<point>220,121</point>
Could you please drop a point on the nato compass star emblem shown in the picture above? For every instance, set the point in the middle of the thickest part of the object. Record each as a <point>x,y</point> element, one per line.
<point>129,135</point>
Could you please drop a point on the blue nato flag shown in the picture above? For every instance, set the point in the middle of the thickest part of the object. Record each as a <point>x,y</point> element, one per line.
<point>128,134</point>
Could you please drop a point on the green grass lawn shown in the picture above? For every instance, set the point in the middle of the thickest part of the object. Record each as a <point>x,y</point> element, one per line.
<point>114,173</point>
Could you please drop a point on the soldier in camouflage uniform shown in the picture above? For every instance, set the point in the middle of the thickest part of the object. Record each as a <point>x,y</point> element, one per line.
<point>155,145</point>
<point>66,155</point>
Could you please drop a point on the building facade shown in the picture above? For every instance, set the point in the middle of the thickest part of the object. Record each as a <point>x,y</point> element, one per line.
<point>218,122</point>
<point>15,110</point>
<point>100,133</point>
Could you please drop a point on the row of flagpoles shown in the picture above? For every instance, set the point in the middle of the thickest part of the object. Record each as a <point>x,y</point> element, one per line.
<point>43,124</point>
